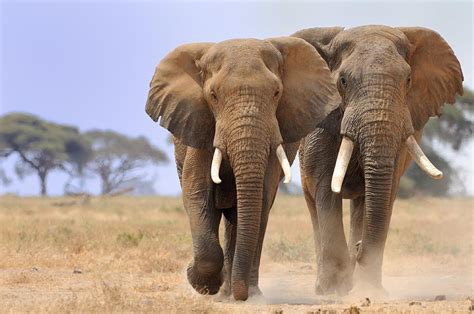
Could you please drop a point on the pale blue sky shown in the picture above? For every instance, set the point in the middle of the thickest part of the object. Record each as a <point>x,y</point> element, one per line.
<point>88,63</point>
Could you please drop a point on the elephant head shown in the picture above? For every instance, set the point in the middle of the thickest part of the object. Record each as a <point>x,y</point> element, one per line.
<point>242,99</point>
<point>391,81</point>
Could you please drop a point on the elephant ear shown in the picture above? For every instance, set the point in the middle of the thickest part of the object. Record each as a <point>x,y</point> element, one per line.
<point>177,98</point>
<point>436,74</point>
<point>309,92</point>
<point>319,38</point>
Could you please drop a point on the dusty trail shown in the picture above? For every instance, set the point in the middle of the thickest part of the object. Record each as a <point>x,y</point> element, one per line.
<point>289,291</point>
<point>297,288</point>
<point>132,254</point>
<point>292,292</point>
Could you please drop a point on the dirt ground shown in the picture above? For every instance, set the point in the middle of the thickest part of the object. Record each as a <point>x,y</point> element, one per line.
<point>130,254</point>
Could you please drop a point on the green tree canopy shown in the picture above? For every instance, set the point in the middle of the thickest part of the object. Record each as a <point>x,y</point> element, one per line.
<point>456,124</point>
<point>41,146</point>
<point>453,129</point>
<point>116,158</point>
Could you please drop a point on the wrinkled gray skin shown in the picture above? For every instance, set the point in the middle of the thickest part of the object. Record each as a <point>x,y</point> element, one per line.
<point>244,97</point>
<point>391,81</point>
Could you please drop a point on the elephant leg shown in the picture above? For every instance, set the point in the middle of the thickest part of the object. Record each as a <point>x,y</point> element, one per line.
<point>204,272</point>
<point>230,235</point>
<point>357,216</point>
<point>311,204</point>
<point>333,273</point>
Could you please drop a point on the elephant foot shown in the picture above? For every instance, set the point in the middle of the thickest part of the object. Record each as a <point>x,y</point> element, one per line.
<point>204,284</point>
<point>256,295</point>
<point>254,291</point>
<point>334,281</point>
<point>322,289</point>
<point>368,283</point>
<point>339,286</point>
<point>367,290</point>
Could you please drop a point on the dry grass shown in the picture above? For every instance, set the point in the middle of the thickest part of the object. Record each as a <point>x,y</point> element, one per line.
<point>129,254</point>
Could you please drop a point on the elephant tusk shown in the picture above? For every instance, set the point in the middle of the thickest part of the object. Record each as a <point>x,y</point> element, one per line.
<point>420,158</point>
<point>216,165</point>
<point>343,158</point>
<point>285,164</point>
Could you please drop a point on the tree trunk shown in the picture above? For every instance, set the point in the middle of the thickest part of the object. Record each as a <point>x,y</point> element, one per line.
<point>105,186</point>
<point>43,178</point>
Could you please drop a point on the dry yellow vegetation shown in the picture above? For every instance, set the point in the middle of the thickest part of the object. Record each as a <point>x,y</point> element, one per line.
<point>129,254</point>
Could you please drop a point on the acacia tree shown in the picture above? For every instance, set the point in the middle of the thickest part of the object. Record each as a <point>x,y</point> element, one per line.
<point>116,158</point>
<point>41,146</point>
<point>456,124</point>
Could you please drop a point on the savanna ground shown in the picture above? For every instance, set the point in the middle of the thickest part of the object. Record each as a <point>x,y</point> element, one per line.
<point>130,254</point>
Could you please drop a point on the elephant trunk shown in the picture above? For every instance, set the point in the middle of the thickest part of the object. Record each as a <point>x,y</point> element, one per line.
<point>249,140</point>
<point>249,184</point>
<point>378,174</point>
<point>379,142</point>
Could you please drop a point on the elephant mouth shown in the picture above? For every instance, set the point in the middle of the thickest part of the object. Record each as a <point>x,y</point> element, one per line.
<point>281,155</point>
<point>345,153</point>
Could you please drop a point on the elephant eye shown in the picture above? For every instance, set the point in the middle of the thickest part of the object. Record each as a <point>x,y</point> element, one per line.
<point>277,92</point>
<point>343,81</point>
<point>409,81</point>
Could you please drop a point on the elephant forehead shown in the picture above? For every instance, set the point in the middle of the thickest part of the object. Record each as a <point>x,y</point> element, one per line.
<point>367,30</point>
<point>241,51</point>
<point>374,36</point>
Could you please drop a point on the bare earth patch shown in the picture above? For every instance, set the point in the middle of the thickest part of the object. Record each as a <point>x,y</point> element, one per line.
<point>129,254</point>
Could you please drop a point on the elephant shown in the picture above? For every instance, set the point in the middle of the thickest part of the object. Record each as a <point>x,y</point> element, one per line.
<point>237,110</point>
<point>391,80</point>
